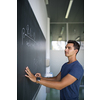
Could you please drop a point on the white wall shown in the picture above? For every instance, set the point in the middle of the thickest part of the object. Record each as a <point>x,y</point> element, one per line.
<point>58,58</point>
<point>48,44</point>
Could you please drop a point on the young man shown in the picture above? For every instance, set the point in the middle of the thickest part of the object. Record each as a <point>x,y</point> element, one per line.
<point>68,79</point>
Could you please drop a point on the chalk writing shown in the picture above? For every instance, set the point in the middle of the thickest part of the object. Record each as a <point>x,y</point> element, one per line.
<point>27,33</point>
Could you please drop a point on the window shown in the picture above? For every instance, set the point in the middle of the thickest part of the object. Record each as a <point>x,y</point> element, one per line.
<point>58,45</point>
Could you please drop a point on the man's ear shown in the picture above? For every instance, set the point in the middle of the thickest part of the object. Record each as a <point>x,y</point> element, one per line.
<point>76,50</point>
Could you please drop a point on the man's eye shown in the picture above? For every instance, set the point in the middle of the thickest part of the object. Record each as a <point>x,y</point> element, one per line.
<point>68,47</point>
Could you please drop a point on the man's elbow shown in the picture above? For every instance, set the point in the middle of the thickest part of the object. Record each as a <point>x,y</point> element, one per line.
<point>58,88</point>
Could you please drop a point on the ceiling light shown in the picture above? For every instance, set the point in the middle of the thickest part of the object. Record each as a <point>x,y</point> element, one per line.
<point>78,38</point>
<point>69,7</point>
<point>62,30</point>
<point>59,38</point>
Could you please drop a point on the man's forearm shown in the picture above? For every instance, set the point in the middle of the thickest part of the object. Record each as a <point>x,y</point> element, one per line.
<point>50,83</point>
<point>49,78</point>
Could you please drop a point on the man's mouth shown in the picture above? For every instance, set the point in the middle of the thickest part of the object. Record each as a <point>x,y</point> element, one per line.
<point>66,52</point>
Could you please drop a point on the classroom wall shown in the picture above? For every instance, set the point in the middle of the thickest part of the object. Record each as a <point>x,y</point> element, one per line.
<point>58,58</point>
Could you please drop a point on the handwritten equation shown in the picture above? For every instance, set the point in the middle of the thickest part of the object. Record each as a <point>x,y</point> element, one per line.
<point>27,32</point>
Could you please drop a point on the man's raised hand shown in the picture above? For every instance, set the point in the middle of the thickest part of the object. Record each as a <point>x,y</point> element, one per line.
<point>30,75</point>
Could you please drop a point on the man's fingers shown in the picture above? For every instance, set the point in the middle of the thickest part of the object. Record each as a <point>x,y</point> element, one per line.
<point>37,74</point>
<point>27,76</point>
<point>30,75</point>
<point>28,70</point>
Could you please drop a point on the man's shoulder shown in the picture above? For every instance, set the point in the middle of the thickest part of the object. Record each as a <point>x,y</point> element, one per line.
<point>78,65</point>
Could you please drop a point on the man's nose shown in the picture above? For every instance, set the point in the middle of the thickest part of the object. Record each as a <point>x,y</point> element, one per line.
<point>66,49</point>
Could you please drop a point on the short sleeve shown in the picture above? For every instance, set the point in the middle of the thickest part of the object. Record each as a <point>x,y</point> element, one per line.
<point>76,71</point>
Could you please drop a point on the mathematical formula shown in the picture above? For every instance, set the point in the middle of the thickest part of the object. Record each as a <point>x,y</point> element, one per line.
<point>27,33</point>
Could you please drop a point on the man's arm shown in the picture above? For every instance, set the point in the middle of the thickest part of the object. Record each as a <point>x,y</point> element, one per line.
<point>59,85</point>
<point>66,81</point>
<point>56,78</point>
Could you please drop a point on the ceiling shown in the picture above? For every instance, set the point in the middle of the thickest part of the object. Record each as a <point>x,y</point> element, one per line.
<point>56,10</point>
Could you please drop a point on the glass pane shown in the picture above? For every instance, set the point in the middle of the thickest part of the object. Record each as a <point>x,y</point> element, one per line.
<point>76,31</point>
<point>57,36</point>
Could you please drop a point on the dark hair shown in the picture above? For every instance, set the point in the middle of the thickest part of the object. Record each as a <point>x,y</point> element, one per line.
<point>76,45</point>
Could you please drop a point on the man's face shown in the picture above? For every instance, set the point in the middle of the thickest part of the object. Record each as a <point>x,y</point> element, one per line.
<point>69,50</point>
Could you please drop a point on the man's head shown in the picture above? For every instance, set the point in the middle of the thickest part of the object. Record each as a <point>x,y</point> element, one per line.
<point>75,44</point>
<point>71,48</point>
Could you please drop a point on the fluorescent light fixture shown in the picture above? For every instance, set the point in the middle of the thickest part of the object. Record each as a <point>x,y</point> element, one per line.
<point>62,30</point>
<point>78,38</point>
<point>69,7</point>
<point>59,38</point>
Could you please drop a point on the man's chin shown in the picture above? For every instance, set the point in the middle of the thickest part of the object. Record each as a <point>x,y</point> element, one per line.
<point>66,55</point>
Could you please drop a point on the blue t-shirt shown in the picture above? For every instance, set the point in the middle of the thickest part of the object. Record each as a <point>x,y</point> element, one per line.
<point>71,92</point>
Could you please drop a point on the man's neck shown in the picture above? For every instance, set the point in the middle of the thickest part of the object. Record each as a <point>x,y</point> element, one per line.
<point>71,59</point>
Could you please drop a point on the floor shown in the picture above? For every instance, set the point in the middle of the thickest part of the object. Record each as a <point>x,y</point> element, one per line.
<point>53,94</point>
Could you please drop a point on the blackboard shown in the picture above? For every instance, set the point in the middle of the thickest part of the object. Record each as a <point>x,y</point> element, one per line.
<point>31,50</point>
